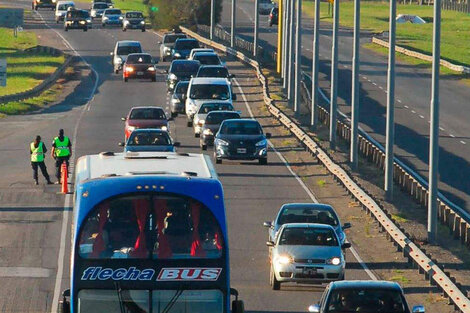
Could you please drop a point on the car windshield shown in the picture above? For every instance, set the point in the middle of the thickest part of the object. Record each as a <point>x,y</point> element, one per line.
<point>77,14</point>
<point>147,114</point>
<point>182,87</point>
<point>207,59</point>
<point>139,138</point>
<point>366,300</point>
<point>100,6</point>
<point>134,15</point>
<point>215,118</point>
<point>207,71</point>
<point>64,7</point>
<point>209,107</point>
<point>172,38</point>
<point>210,91</point>
<point>185,67</point>
<point>308,236</point>
<point>113,12</point>
<point>186,44</point>
<point>241,128</point>
<point>307,215</point>
<point>139,58</point>
<point>128,49</point>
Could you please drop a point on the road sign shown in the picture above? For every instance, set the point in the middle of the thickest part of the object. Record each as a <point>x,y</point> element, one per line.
<point>3,72</point>
<point>11,18</point>
<point>331,1</point>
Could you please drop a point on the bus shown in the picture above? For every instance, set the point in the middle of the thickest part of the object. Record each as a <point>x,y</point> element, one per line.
<point>149,235</point>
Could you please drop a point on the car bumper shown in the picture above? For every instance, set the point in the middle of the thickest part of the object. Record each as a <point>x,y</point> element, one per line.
<point>134,26</point>
<point>225,152</point>
<point>177,107</point>
<point>136,75</point>
<point>113,22</point>
<point>76,26</point>
<point>306,273</point>
<point>46,5</point>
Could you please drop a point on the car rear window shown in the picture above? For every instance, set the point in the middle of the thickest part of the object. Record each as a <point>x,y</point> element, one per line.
<point>307,215</point>
<point>213,72</point>
<point>241,128</point>
<point>366,300</point>
<point>215,117</point>
<point>149,139</point>
<point>140,58</point>
<point>182,87</point>
<point>209,107</point>
<point>172,38</point>
<point>147,114</point>
<point>186,44</point>
<point>128,49</point>
<point>210,91</point>
<point>100,6</point>
<point>134,15</point>
<point>112,12</point>
<point>77,14</point>
<point>308,236</point>
<point>207,59</point>
<point>64,7</point>
<point>185,67</point>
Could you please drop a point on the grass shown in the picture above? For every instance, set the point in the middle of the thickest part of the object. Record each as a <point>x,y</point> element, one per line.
<point>374,17</point>
<point>321,183</point>
<point>125,5</point>
<point>400,218</point>
<point>402,279</point>
<point>24,70</point>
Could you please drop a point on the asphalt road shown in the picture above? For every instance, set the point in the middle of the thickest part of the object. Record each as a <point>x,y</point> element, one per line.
<point>35,226</point>
<point>412,92</point>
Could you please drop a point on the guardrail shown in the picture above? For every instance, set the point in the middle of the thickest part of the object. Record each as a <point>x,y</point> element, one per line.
<point>426,266</point>
<point>45,84</point>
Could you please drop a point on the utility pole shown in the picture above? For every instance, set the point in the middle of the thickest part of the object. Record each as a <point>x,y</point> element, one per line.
<point>334,76</point>
<point>434,128</point>
<point>286,45</point>
<point>298,59</point>
<point>280,28</point>
<point>290,86</point>
<point>355,85</point>
<point>232,32</point>
<point>390,127</point>
<point>315,67</point>
<point>211,36</point>
<point>255,40</point>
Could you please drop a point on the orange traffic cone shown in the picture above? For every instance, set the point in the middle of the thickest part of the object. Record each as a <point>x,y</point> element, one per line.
<point>64,180</point>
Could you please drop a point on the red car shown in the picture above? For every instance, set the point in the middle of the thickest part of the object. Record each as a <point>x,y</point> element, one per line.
<point>145,117</point>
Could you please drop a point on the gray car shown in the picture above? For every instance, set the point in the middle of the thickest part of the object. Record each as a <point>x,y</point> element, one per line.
<point>167,44</point>
<point>97,9</point>
<point>200,117</point>
<point>121,50</point>
<point>364,296</point>
<point>133,20</point>
<point>306,253</point>
<point>178,97</point>
<point>307,213</point>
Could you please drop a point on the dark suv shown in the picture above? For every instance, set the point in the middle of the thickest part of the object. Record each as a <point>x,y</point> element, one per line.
<point>167,44</point>
<point>39,4</point>
<point>76,19</point>
<point>273,17</point>
<point>183,47</point>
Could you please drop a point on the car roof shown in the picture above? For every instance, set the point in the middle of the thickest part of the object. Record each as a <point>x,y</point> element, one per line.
<point>141,53</point>
<point>316,206</point>
<point>209,80</point>
<point>134,12</point>
<point>247,120</point>
<point>128,43</point>
<point>110,9</point>
<point>146,107</point>
<point>213,66</point>
<point>186,39</point>
<point>352,284</point>
<point>149,130</point>
<point>184,61</point>
<point>204,53</point>
<point>222,112</point>
<point>65,2</point>
<point>307,225</point>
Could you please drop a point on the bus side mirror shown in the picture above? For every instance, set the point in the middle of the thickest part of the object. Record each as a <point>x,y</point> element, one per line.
<point>123,119</point>
<point>176,144</point>
<point>238,306</point>
<point>121,144</point>
<point>346,245</point>
<point>270,243</point>
<point>346,225</point>
<point>268,224</point>
<point>64,304</point>
<point>268,135</point>
<point>234,96</point>
<point>314,308</point>
<point>418,309</point>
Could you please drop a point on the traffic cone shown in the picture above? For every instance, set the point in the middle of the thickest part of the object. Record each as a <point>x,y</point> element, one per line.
<point>64,180</point>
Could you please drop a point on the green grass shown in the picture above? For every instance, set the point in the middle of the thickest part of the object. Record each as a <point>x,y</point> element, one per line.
<point>24,70</point>
<point>374,17</point>
<point>125,5</point>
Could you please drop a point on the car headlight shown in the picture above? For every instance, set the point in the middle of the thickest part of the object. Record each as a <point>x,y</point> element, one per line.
<point>126,22</point>
<point>175,100</point>
<point>262,143</point>
<point>164,128</point>
<point>201,122</point>
<point>151,69</point>
<point>178,55</point>
<point>142,22</point>
<point>221,142</point>
<point>105,17</point>
<point>130,128</point>
<point>82,22</point>
<point>129,69</point>
<point>173,77</point>
<point>121,18</point>
<point>118,60</point>
<point>283,259</point>
<point>88,20</point>
<point>207,131</point>
<point>334,261</point>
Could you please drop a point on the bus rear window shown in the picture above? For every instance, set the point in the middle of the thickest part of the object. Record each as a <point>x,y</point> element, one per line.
<point>150,226</point>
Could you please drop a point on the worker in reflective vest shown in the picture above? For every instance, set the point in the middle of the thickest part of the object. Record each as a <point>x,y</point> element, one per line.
<point>61,151</point>
<point>37,149</point>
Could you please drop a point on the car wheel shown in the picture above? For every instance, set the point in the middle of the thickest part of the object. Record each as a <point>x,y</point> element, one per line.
<point>203,147</point>
<point>263,161</point>
<point>66,29</point>
<point>57,21</point>
<point>124,29</point>
<point>174,114</point>
<point>275,284</point>
<point>126,79</point>
<point>197,135</point>
<point>85,29</point>
<point>189,123</point>
<point>116,71</point>
<point>154,79</point>
<point>218,161</point>
<point>143,29</point>
<point>103,25</point>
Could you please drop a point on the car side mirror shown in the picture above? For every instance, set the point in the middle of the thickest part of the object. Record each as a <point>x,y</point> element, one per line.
<point>267,224</point>
<point>234,96</point>
<point>238,306</point>
<point>166,71</point>
<point>270,243</point>
<point>121,144</point>
<point>123,119</point>
<point>169,118</point>
<point>314,308</point>
<point>418,309</point>
<point>346,245</point>
<point>64,304</point>
<point>268,135</point>
<point>231,76</point>
<point>159,42</point>
<point>346,225</point>
<point>177,144</point>
<point>111,53</point>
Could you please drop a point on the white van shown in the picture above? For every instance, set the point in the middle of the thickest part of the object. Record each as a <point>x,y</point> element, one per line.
<point>61,9</point>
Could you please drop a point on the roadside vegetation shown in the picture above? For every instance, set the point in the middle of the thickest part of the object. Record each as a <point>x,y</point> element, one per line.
<point>125,5</point>
<point>375,15</point>
<point>24,70</point>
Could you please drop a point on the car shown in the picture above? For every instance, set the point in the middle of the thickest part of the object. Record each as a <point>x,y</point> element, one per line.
<point>40,4</point>
<point>178,97</point>
<point>167,44</point>
<point>183,47</point>
<point>61,10</point>
<point>207,58</point>
<point>307,213</point>
<point>265,6</point>
<point>76,19</point>
<point>212,124</point>
<point>111,17</point>
<point>110,3</point>
<point>133,20</point>
<point>241,139</point>
<point>205,89</point>
<point>200,117</point>
<point>97,9</point>
<point>214,71</point>
<point>145,117</point>
<point>121,50</point>
<point>306,253</point>
<point>195,50</point>
<point>273,18</point>
<point>140,66</point>
<point>181,70</point>
<point>153,140</point>
<point>364,296</point>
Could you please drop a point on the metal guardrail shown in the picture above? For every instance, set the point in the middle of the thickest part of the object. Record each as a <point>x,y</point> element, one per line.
<point>431,270</point>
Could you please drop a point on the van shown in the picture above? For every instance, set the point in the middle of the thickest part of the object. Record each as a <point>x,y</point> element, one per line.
<point>121,50</point>
<point>61,9</point>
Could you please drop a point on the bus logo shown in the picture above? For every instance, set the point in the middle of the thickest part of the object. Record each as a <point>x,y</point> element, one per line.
<point>129,274</point>
<point>189,273</point>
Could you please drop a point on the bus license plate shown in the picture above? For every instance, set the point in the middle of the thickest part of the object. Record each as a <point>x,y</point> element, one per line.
<point>140,73</point>
<point>241,150</point>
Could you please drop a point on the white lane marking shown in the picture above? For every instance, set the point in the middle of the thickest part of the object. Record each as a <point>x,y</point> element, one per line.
<point>441,128</point>
<point>412,111</point>
<point>382,88</point>
<point>463,142</point>
<point>157,34</point>
<point>407,107</point>
<point>399,100</point>
<point>374,84</point>
<point>30,272</point>
<point>453,136</point>
<point>421,116</point>
<point>302,184</point>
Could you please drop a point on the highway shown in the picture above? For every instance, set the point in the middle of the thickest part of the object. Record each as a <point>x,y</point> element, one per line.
<point>412,92</point>
<point>35,221</point>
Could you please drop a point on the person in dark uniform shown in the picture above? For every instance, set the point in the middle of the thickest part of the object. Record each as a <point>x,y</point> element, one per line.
<point>61,151</point>
<point>37,149</point>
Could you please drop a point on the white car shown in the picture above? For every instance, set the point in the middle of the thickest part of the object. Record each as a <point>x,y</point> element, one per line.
<point>97,9</point>
<point>204,109</point>
<point>204,89</point>
<point>195,50</point>
<point>121,51</point>
<point>265,7</point>
<point>61,9</point>
<point>112,17</point>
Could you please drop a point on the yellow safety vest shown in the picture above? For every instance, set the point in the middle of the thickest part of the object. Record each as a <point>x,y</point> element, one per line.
<point>37,154</point>
<point>61,147</point>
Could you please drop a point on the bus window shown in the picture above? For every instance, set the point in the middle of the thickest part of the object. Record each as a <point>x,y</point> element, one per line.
<point>144,226</point>
<point>98,301</point>
<point>188,301</point>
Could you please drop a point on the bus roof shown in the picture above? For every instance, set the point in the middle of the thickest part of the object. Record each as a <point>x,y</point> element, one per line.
<point>108,164</point>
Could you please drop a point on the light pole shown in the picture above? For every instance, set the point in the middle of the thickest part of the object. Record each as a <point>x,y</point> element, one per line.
<point>355,85</point>
<point>298,58</point>
<point>287,35</point>
<point>334,76</point>
<point>280,33</point>
<point>255,40</point>
<point>232,31</point>
<point>212,19</point>
<point>290,86</point>
<point>315,66</point>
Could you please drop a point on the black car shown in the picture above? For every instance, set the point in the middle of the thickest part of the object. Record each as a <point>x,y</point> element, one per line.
<point>183,47</point>
<point>241,139</point>
<point>181,70</point>
<point>214,71</point>
<point>139,65</point>
<point>76,19</point>
<point>212,125</point>
<point>178,98</point>
<point>273,17</point>
<point>168,43</point>
<point>133,20</point>
<point>39,4</point>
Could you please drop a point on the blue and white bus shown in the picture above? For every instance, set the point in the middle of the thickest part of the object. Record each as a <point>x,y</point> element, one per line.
<point>149,235</point>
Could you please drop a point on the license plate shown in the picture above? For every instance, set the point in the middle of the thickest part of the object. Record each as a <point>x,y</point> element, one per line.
<point>241,150</point>
<point>140,73</point>
<point>309,271</point>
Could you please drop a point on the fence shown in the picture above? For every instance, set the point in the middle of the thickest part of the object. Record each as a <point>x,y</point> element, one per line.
<point>455,6</point>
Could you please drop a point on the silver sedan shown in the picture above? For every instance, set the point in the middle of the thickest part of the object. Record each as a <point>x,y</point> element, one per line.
<point>306,253</point>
